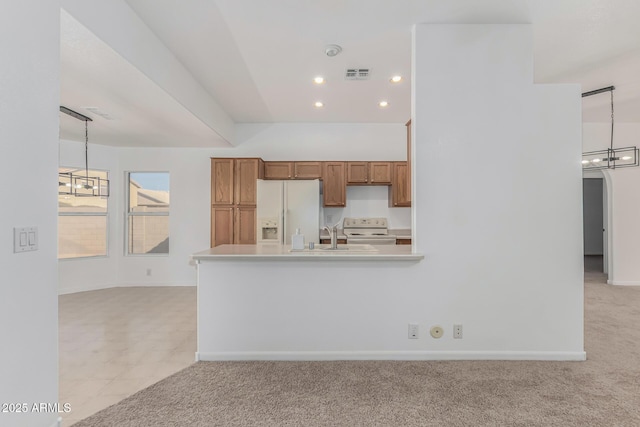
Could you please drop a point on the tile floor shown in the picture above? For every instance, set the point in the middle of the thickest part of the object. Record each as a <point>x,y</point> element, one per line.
<point>115,342</point>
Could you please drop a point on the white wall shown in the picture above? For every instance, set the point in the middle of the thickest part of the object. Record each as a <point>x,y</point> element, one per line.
<point>498,220</point>
<point>190,211</point>
<point>29,43</point>
<point>323,141</point>
<point>503,241</point>
<point>624,200</point>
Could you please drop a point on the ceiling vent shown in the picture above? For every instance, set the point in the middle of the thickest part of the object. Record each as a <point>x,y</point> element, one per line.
<point>357,74</point>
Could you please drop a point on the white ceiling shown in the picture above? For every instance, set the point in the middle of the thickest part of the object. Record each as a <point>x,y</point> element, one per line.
<point>257,59</point>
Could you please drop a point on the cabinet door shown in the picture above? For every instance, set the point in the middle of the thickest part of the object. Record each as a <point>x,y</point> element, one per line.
<point>307,170</point>
<point>221,226</point>
<point>246,175</point>
<point>222,181</point>
<point>357,172</point>
<point>399,189</point>
<point>278,170</point>
<point>409,161</point>
<point>380,173</point>
<point>245,226</point>
<point>334,184</point>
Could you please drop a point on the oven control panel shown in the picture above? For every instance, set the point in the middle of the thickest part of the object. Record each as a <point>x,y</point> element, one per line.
<point>365,223</point>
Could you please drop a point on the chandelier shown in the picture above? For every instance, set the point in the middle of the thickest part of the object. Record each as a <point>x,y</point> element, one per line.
<point>610,158</point>
<point>76,184</point>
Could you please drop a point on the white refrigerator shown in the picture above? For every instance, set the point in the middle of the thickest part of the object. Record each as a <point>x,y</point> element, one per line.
<point>284,206</point>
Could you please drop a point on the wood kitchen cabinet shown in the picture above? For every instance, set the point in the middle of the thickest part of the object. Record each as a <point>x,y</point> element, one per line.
<point>399,195</point>
<point>247,172</point>
<point>233,181</point>
<point>244,227</point>
<point>408,125</point>
<point>334,184</point>
<point>362,173</point>
<point>292,170</point>
<point>222,181</point>
<point>233,225</point>
<point>278,170</point>
<point>233,200</point>
<point>307,170</point>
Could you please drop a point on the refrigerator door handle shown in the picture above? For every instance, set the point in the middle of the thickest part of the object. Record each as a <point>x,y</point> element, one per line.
<point>284,218</point>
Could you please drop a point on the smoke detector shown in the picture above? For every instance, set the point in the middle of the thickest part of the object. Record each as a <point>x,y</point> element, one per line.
<point>332,50</point>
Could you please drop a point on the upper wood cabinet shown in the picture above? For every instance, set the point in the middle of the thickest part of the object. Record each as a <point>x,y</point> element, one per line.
<point>247,173</point>
<point>307,170</point>
<point>399,195</point>
<point>233,181</point>
<point>278,170</point>
<point>362,173</point>
<point>292,170</point>
<point>334,193</point>
<point>222,181</point>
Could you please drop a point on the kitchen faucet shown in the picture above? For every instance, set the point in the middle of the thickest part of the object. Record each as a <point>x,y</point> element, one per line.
<point>333,233</point>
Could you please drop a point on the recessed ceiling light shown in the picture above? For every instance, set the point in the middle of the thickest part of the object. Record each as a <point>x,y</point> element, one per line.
<point>319,104</point>
<point>383,103</point>
<point>395,79</point>
<point>318,80</point>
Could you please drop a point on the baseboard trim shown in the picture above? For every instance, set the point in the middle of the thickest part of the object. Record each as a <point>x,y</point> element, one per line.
<point>130,285</point>
<point>152,284</point>
<point>623,283</point>
<point>393,355</point>
<point>85,289</point>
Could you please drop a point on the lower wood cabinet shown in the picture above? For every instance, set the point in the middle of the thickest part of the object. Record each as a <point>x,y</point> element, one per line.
<point>233,225</point>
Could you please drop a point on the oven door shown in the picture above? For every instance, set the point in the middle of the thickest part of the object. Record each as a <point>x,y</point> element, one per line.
<point>378,240</point>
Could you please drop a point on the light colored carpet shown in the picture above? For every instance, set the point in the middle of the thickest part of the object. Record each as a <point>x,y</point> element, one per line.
<point>603,391</point>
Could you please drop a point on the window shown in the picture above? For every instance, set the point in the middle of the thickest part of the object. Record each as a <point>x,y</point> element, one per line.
<point>82,221</point>
<point>148,213</point>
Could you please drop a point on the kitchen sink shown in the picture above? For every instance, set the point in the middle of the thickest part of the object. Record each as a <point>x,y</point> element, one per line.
<point>341,249</point>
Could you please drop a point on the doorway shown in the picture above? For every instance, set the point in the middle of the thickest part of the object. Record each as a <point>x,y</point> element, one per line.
<point>594,231</point>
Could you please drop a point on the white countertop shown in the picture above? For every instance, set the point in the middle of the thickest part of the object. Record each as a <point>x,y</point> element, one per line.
<point>284,253</point>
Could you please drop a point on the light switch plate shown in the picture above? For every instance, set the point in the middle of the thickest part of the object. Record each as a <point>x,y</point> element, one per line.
<point>25,239</point>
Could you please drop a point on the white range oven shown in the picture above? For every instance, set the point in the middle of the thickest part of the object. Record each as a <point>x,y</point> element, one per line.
<point>369,231</point>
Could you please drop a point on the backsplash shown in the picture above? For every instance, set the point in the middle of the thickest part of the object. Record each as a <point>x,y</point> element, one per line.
<point>368,201</point>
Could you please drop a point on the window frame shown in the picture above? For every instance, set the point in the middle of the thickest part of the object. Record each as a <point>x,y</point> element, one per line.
<point>128,214</point>
<point>105,214</point>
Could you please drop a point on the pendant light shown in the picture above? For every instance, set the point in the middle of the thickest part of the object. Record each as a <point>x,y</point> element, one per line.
<point>76,184</point>
<point>611,158</point>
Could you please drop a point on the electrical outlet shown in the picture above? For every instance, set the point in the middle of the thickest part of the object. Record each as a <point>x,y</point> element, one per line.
<point>413,331</point>
<point>329,219</point>
<point>457,331</point>
<point>148,272</point>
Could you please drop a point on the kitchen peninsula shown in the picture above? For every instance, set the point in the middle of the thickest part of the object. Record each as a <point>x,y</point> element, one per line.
<point>265,302</point>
